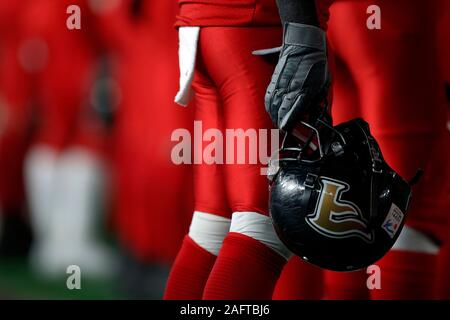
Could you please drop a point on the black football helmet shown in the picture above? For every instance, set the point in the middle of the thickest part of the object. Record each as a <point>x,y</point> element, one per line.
<point>340,207</point>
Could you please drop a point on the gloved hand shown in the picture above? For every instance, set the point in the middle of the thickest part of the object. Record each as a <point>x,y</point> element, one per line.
<point>301,79</point>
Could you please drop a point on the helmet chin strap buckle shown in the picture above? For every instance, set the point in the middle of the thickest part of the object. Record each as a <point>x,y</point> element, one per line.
<point>416,178</point>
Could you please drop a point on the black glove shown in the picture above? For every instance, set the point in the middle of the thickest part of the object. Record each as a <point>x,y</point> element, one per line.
<point>301,79</point>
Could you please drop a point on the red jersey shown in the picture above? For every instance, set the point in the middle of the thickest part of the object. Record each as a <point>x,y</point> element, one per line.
<point>227,13</point>
<point>237,13</point>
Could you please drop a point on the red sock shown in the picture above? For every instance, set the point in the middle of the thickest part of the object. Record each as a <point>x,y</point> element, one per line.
<point>189,272</point>
<point>346,285</point>
<point>299,280</point>
<point>406,275</point>
<point>245,269</point>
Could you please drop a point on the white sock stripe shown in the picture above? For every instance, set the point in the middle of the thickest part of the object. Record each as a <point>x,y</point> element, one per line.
<point>208,231</point>
<point>415,241</point>
<point>259,227</point>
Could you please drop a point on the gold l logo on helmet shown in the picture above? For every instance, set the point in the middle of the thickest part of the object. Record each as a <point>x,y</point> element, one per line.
<point>337,218</point>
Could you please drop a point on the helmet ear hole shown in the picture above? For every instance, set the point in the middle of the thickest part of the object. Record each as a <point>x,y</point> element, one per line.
<point>323,209</point>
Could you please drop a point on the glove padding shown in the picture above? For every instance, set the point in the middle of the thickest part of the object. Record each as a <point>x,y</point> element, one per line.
<point>301,79</point>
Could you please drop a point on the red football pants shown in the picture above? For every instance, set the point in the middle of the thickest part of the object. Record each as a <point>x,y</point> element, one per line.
<point>230,84</point>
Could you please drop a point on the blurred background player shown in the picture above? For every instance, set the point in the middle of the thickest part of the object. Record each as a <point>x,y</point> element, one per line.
<point>374,73</point>
<point>15,134</point>
<point>152,196</point>
<point>98,96</point>
<point>64,169</point>
<point>395,86</point>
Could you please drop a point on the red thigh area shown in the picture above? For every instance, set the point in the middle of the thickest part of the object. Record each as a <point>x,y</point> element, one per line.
<point>241,80</point>
<point>346,104</point>
<point>209,183</point>
<point>398,85</point>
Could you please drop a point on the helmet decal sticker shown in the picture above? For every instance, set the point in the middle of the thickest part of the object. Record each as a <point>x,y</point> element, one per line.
<point>393,221</point>
<point>337,218</point>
